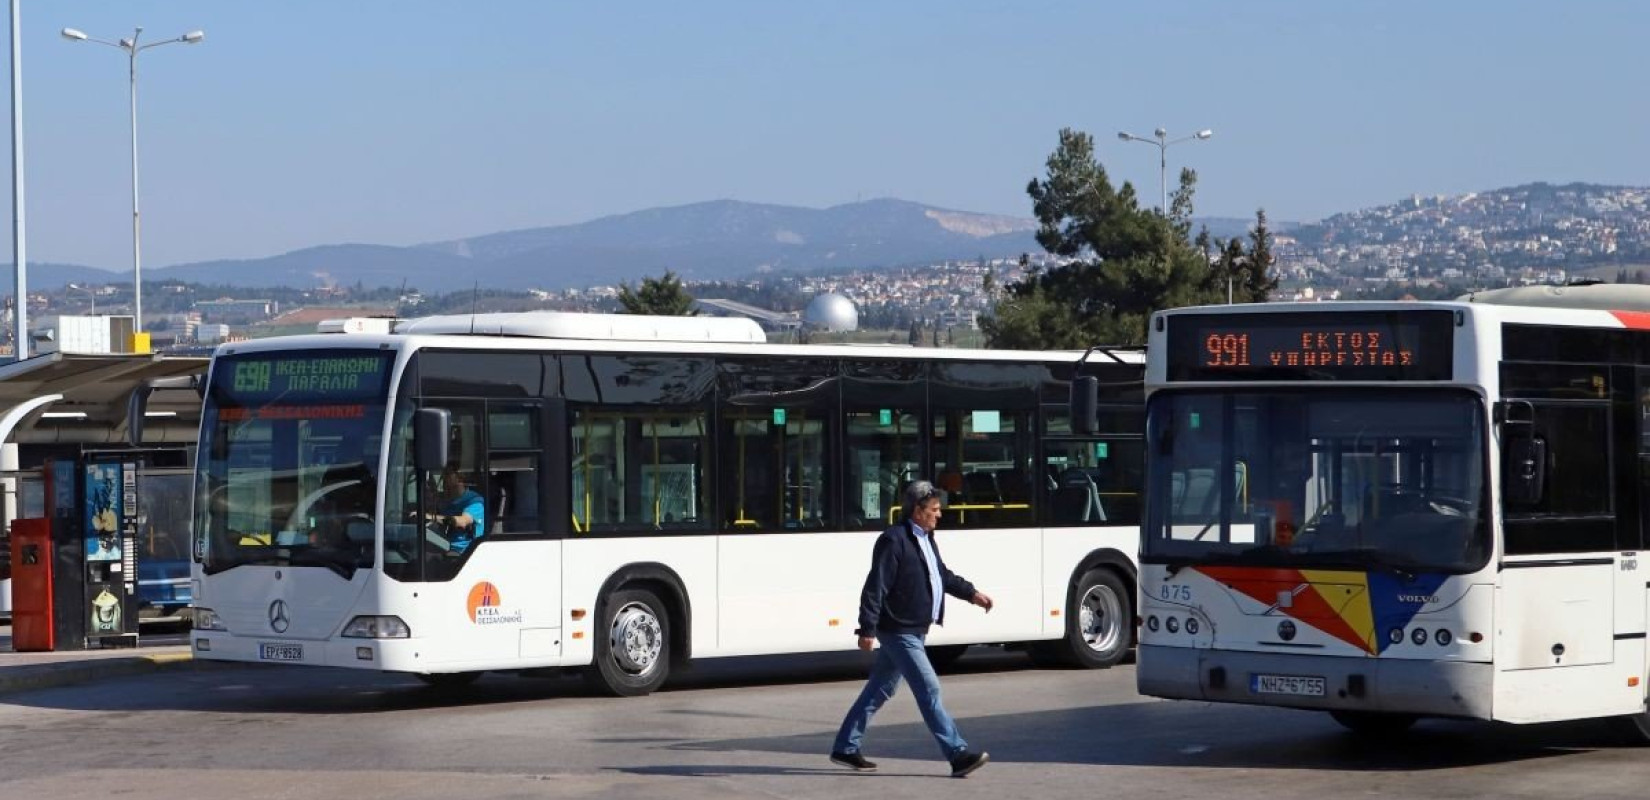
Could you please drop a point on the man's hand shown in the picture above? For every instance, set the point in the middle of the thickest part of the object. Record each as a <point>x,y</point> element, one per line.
<point>982,600</point>
<point>867,642</point>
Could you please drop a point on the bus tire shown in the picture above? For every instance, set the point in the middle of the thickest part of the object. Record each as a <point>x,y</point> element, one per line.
<point>945,656</point>
<point>448,680</point>
<point>1373,723</point>
<point>1099,624</point>
<point>632,645</point>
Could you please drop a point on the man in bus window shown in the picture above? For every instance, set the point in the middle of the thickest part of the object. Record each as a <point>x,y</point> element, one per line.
<point>459,510</point>
<point>904,594</point>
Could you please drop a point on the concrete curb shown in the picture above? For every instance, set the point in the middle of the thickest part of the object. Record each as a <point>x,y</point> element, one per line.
<point>31,677</point>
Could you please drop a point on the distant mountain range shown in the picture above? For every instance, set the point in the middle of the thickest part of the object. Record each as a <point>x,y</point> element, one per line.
<point>716,240</point>
<point>1574,224</point>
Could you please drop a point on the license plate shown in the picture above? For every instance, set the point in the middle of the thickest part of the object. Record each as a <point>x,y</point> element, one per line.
<point>1300,685</point>
<point>280,652</point>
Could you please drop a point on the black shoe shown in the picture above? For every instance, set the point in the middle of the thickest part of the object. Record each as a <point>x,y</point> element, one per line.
<point>854,761</point>
<point>968,762</point>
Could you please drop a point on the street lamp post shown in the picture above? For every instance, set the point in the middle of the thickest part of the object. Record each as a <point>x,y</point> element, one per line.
<point>132,49</point>
<point>1162,141</point>
<point>91,295</point>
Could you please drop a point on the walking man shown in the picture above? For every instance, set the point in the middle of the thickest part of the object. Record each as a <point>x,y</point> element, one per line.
<point>904,594</point>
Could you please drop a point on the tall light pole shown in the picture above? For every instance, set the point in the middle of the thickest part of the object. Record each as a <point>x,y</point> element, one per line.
<point>20,304</point>
<point>132,49</point>
<point>1162,141</point>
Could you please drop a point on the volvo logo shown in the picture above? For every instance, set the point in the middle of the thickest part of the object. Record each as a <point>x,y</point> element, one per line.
<point>278,620</point>
<point>1286,630</point>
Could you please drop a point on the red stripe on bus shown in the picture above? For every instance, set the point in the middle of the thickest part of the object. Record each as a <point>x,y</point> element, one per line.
<point>1638,320</point>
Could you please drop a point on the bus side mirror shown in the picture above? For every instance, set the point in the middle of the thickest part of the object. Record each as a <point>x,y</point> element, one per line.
<point>1524,475</point>
<point>430,429</point>
<point>1085,404</point>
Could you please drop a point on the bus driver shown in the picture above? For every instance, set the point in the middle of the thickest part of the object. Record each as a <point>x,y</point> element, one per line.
<point>459,510</point>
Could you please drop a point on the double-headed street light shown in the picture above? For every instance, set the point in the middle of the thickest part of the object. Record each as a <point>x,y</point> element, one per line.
<point>132,49</point>
<point>1162,141</point>
<point>91,294</point>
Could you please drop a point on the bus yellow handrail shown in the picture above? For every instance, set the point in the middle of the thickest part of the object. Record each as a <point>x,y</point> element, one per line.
<point>894,512</point>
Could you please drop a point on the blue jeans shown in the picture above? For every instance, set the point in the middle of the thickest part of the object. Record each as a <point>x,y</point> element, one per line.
<point>901,656</point>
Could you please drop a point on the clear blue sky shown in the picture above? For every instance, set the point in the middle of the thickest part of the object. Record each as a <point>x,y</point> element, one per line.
<point>307,122</point>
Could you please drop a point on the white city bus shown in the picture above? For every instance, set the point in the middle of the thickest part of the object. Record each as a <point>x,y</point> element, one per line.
<point>1395,510</point>
<point>654,489</point>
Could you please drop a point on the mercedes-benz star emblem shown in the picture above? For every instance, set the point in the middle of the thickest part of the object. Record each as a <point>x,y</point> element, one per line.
<point>278,620</point>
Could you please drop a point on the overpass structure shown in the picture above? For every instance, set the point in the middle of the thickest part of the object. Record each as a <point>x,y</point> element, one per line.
<point>772,320</point>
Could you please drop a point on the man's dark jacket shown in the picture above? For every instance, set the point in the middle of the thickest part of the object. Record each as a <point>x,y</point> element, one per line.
<point>898,596</point>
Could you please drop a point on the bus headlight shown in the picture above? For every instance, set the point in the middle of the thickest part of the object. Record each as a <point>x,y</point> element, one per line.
<point>374,627</point>
<point>208,620</point>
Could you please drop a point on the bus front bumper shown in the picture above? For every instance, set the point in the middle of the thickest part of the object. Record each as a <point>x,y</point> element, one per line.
<point>393,655</point>
<point>1331,683</point>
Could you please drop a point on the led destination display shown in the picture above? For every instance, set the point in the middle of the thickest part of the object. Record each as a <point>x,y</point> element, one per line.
<point>329,376</point>
<point>1363,346</point>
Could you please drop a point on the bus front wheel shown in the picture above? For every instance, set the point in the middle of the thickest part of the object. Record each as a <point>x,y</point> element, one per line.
<point>1099,624</point>
<point>632,645</point>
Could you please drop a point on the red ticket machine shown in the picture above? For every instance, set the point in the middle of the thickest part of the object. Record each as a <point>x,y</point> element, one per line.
<point>31,585</point>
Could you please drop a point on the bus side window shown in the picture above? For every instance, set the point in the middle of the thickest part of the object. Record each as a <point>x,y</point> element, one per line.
<point>513,461</point>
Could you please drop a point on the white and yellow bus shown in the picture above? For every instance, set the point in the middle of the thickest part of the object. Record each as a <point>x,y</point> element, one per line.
<point>653,489</point>
<point>1390,511</point>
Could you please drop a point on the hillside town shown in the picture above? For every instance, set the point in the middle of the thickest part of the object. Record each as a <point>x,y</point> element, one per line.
<point>1532,234</point>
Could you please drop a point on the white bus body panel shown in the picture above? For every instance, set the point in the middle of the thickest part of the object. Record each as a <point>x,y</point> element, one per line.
<point>1005,564</point>
<point>790,592</point>
<point>499,609</point>
<point>1570,640</point>
<point>748,594</point>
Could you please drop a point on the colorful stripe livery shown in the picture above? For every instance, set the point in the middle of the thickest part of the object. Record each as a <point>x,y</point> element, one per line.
<point>1354,607</point>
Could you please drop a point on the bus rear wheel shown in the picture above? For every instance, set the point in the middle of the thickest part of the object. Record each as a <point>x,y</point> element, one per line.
<point>632,645</point>
<point>1099,624</point>
<point>1373,723</point>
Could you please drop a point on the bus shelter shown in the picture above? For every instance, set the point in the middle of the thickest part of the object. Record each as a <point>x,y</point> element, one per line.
<point>96,452</point>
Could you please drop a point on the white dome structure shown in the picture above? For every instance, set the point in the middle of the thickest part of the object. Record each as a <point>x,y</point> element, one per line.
<point>831,312</point>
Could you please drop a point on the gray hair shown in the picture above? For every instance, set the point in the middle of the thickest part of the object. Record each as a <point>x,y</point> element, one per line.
<point>916,492</point>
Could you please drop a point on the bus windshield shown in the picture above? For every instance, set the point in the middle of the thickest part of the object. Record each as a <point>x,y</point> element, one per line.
<point>1365,479</point>
<point>289,454</point>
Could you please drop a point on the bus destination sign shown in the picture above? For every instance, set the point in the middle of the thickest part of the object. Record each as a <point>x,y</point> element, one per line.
<point>1379,346</point>
<point>322,376</point>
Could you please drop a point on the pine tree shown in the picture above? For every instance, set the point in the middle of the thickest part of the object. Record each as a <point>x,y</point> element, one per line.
<point>661,296</point>
<point>1125,261</point>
